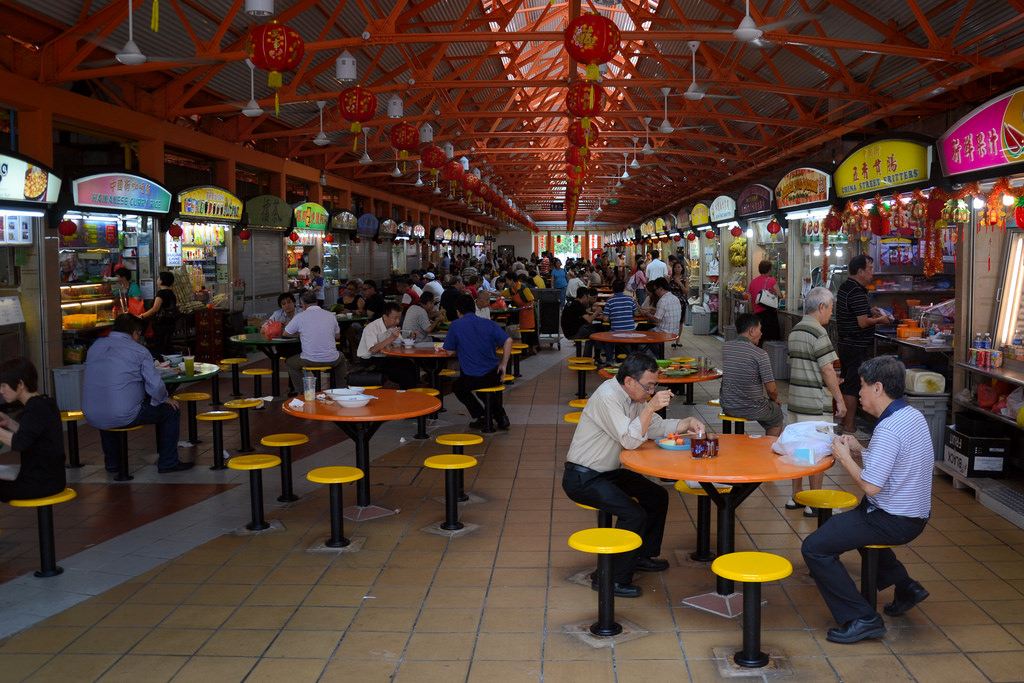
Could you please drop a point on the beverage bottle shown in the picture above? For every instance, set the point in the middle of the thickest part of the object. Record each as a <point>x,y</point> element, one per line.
<point>977,340</point>
<point>988,341</point>
<point>1018,338</point>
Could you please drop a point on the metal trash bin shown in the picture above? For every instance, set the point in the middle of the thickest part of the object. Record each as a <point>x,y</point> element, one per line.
<point>67,387</point>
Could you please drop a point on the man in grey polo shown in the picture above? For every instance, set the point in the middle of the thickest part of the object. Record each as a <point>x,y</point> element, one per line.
<point>747,376</point>
<point>318,331</point>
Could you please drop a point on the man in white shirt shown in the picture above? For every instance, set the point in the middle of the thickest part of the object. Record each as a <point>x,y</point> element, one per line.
<point>483,304</point>
<point>666,316</point>
<point>620,416</point>
<point>433,285</point>
<point>377,336</point>
<point>656,268</point>
<point>318,331</point>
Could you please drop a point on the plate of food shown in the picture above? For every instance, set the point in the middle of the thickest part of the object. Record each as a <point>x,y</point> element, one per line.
<point>678,373</point>
<point>675,442</point>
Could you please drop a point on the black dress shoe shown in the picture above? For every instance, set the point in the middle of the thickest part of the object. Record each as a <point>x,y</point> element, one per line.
<point>504,424</point>
<point>180,467</point>
<point>856,630</point>
<point>914,595</point>
<point>622,590</point>
<point>651,564</point>
<point>477,423</point>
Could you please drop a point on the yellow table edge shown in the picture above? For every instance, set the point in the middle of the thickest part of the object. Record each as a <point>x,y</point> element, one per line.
<point>605,541</point>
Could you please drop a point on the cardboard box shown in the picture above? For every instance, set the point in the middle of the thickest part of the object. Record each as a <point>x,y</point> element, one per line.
<point>974,456</point>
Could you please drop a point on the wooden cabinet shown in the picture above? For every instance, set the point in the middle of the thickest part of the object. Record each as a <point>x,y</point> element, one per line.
<point>209,335</point>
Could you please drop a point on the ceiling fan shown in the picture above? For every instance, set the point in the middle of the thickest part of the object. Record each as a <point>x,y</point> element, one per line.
<point>419,176</point>
<point>130,54</point>
<point>321,138</point>
<point>749,32</point>
<point>665,126</point>
<point>253,108</point>
<point>693,93</point>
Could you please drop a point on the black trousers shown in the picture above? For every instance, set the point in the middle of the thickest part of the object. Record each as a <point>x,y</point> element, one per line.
<point>851,531</point>
<point>463,389</point>
<point>613,492</point>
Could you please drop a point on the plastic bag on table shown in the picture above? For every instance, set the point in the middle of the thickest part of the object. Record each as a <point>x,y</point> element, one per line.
<point>805,443</point>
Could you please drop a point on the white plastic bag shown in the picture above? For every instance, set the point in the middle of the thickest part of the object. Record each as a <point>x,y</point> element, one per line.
<point>1013,403</point>
<point>804,443</point>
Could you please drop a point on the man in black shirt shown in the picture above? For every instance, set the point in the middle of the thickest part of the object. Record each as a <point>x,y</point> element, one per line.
<point>578,318</point>
<point>374,305</point>
<point>855,320</point>
<point>450,297</point>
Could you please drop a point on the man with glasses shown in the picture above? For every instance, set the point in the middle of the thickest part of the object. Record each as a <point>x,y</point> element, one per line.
<point>619,416</point>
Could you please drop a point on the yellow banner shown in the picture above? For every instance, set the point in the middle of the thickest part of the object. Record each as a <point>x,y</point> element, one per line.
<point>883,165</point>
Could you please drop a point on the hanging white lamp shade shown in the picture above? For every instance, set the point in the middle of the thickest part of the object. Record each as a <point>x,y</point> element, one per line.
<point>465,163</point>
<point>259,8</point>
<point>345,67</point>
<point>396,107</point>
<point>449,150</point>
<point>426,134</point>
<point>475,171</point>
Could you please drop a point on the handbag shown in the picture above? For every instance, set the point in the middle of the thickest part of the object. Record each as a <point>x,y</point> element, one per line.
<point>273,329</point>
<point>767,298</point>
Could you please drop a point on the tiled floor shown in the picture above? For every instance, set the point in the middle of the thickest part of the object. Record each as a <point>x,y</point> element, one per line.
<point>183,598</point>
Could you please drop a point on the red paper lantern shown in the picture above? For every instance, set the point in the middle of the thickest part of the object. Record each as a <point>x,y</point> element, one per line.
<point>1018,213</point>
<point>577,157</point>
<point>294,237</point>
<point>67,228</point>
<point>583,137</point>
<point>275,47</point>
<point>692,236</point>
<point>559,239</point>
<point>878,226</point>
<point>175,230</point>
<point>356,240</point>
<point>677,238</point>
<point>452,171</point>
<point>244,234</point>
<point>585,100</point>
<point>774,227</point>
<point>592,39</point>
<point>470,184</point>
<point>576,239</point>
<point>935,205</point>
<point>329,239</point>
<point>833,223</point>
<point>736,231</point>
<point>433,158</point>
<point>404,137</point>
<point>358,105</point>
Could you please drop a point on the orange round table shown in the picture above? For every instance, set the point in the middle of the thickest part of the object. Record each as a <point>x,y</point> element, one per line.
<point>688,380</point>
<point>430,359</point>
<point>634,337</point>
<point>360,424</point>
<point>744,461</point>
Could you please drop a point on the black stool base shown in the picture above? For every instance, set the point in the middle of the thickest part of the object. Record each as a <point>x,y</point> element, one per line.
<point>53,572</point>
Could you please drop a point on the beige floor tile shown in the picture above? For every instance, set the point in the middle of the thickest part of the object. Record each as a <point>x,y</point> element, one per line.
<point>449,620</point>
<point>1001,667</point>
<point>405,576</point>
<point>559,645</point>
<point>651,669</point>
<point>149,668</point>
<point>99,640</point>
<point>961,571</point>
<point>229,642</point>
<point>305,576</point>
<point>444,596</point>
<point>373,645</point>
<point>205,669</point>
<point>219,594</point>
<point>336,596</point>
<point>440,646</point>
<point>244,574</point>
<point>305,644</point>
<point>954,613</point>
<point>291,670</point>
<point>943,668</point>
<point>349,576</point>
<point>513,620</point>
<point>198,616</point>
<point>508,646</point>
<point>515,597</point>
<point>172,641</point>
<point>397,596</point>
<point>578,671</point>
<point>186,573</point>
<point>279,594</point>
<point>649,647</point>
<point>259,617</point>
<point>916,639</point>
<point>981,638</point>
<point>84,614</point>
<point>161,593</point>
<point>63,667</point>
<point>359,670</point>
<point>42,640</point>
<point>506,672</point>
<point>313,618</point>
<point>411,671</point>
<point>454,576</point>
<point>870,668</point>
<point>371,618</point>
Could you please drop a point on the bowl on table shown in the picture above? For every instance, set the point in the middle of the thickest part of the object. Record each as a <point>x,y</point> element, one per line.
<point>664,363</point>
<point>670,444</point>
<point>350,391</point>
<point>353,400</point>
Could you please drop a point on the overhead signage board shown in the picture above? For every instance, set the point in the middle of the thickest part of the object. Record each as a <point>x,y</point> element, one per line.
<point>388,227</point>
<point>268,211</point>
<point>367,224</point>
<point>343,220</point>
<point>683,219</point>
<point>210,202</point>
<point>22,180</point>
<point>121,192</point>
<point>883,165</point>
<point>990,136</point>
<point>722,209</point>
<point>310,216</point>
<point>802,186</point>
<point>754,199</point>
<point>699,215</point>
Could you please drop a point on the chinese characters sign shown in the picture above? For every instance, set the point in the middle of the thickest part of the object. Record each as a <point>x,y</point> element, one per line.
<point>882,165</point>
<point>699,215</point>
<point>990,136</point>
<point>754,199</point>
<point>121,192</point>
<point>801,186</point>
<point>310,216</point>
<point>210,202</point>
<point>723,209</point>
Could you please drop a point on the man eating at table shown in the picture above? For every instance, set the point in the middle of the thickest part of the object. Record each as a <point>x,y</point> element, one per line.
<point>619,416</point>
<point>897,482</point>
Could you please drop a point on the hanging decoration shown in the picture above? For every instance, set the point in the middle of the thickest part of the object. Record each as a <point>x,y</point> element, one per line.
<point>67,228</point>
<point>585,100</point>
<point>356,240</point>
<point>577,158</point>
<point>583,137</point>
<point>175,231</point>
<point>735,231</point>
<point>329,239</point>
<point>452,172</point>
<point>294,237</point>
<point>404,137</point>
<point>244,234</point>
<point>470,184</point>
<point>592,39</point>
<point>274,48</point>
<point>358,105</point>
<point>774,227</point>
<point>433,158</point>
<point>692,236</point>
<point>825,275</point>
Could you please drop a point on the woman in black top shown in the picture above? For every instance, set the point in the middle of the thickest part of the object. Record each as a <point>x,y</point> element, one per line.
<point>163,314</point>
<point>37,436</point>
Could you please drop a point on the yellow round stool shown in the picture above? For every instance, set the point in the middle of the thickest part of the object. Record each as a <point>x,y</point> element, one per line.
<point>421,421</point>
<point>233,363</point>
<point>751,569</point>
<point>452,464</point>
<point>71,417</point>
<point>578,360</point>
<point>44,521</point>
<point>284,442</point>
<point>446,373</point>
<point>604,518</point>
<point>824,501</point>
<point>122,452</point>
<point>257,375</point>
<point>578,403</point>
<point>715,403</point>
<point>729,420</point>
<point>683,359</point>
<point>458,443</point>
<point>488,393</point>
<point>605,543</point>
<point>581,378</point>
<point>316,370</point>
<point>334,477</point>
<point>255,464</point>
<point>242,405</point>
<point>703,552</point>
<point>190,398</point>
<point>217,418</point>
<point>573,418</point>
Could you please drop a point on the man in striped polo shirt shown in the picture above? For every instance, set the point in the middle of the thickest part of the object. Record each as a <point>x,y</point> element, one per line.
<point>619,310</point>
<point>897,482</point>
<point>812,379</point>
<point>747,375</point>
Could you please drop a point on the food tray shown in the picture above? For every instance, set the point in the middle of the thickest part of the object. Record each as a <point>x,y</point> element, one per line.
<point>670,444</point>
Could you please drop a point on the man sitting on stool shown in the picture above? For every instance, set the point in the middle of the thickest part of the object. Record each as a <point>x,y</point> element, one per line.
<point>475,339</point>
<point>897,482</point>
<point>745,370</point>
<point>317,329</point>
<point>618,416</point>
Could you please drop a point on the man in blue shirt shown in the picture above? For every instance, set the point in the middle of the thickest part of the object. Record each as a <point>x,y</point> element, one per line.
<point>619,310</point>
<point>475,339</point>
<point>897,482</point>
<point>123,389</point>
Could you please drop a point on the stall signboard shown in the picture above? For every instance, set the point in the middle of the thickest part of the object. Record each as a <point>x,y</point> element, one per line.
<point>659,226</point>
<point>210,203</point>
<point>404,230</point>
<point>683,219</point>
<point>439,235</point>
<point>883,165</point>
<point>448,235</point>
<point>22,180</point>
<point>388,228</point>
<point>310,216</point>
<point>989,137</point>
<point>367,224</point>
<point>699,215</point>
<point>343,220</point>
<point>754,199</point>
<point>478,240</point>
<point>802,186</point>
<point>670,224</point>
<point>722,209</point>
<point>268,212</point>
<point>418,231</point>
<point>121,192</point>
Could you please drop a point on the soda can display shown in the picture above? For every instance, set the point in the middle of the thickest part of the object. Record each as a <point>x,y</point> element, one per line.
<point>997,359</point>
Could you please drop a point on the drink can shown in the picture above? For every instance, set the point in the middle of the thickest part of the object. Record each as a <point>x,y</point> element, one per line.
<point>972,356</point>
<point>997,359</point>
